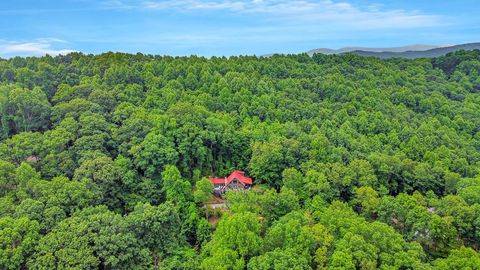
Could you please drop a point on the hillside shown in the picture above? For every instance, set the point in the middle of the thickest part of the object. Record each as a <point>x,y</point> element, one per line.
<point>357,162</point>
<point>409,52</point>
<point>416,47</point>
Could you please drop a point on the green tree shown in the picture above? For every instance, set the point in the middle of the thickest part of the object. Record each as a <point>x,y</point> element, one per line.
<point>266,164</point>
<point>153,154</point>
<point>104,175</point>
<point>274,205</point>
<point>237,236</point>
<point>18,238</point>
<point>7,177</point>
<point>366,201</point>
<point>203,190</point>
<point>176,189</point>
<point>463,258</point>
<point>32,109</point>
<point>279,259</point>
<point>92,238</point>
<point>159,229</point>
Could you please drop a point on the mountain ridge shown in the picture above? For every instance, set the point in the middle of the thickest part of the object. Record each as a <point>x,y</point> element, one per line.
<point>409,51</point>
<point>413,47</point>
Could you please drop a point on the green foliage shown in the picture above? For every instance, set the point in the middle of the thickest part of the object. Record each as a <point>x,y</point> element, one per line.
<point>30,109</point>
<point>92,238</point>
<point>203,189</point>
<point>176,189</point>
<point>275,205</point>
<point>104,178</point>
<point>279,259</point>
<point>358,163</point>
<point>153,154</point>
<point>463,258</point>
<point>266,164</point>
<point>18,238</point>
<point>237,236</point>
<point>159,228</point>
<point>366,201</point>
<point>7,177</point>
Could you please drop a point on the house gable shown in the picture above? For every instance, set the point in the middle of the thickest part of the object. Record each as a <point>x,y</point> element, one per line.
<point>235,181</point>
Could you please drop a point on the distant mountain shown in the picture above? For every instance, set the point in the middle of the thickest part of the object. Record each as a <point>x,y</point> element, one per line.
<point>411,51</point>
<point>416,47</point>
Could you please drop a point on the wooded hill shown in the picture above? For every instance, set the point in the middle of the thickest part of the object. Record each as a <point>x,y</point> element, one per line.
<point>359,163</point>
<point>410,52</point>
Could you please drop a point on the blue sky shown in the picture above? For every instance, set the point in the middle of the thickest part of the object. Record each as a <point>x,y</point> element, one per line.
<point>229,27</point>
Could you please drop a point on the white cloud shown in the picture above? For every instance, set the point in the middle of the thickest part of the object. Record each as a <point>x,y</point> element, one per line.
<point>298,11</point>
<point>37,47</point>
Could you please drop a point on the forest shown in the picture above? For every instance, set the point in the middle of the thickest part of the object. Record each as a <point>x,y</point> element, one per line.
<point>358,162</point>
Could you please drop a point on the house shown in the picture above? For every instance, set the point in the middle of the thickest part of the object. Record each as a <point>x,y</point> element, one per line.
<point>32,159</point>
<point>236,181</point>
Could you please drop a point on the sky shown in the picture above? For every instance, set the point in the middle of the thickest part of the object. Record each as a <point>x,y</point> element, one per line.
<point>229,27</point>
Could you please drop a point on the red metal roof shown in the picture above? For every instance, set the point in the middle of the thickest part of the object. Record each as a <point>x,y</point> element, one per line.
<point>239,175</point>
<point>217,180</point>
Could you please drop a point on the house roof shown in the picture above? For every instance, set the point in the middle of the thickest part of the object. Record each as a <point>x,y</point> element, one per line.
<point>239,175</point>
<point>32,158</point>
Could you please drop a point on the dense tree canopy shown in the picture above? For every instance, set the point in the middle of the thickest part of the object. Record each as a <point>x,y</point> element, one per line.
<point>358,163</point>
